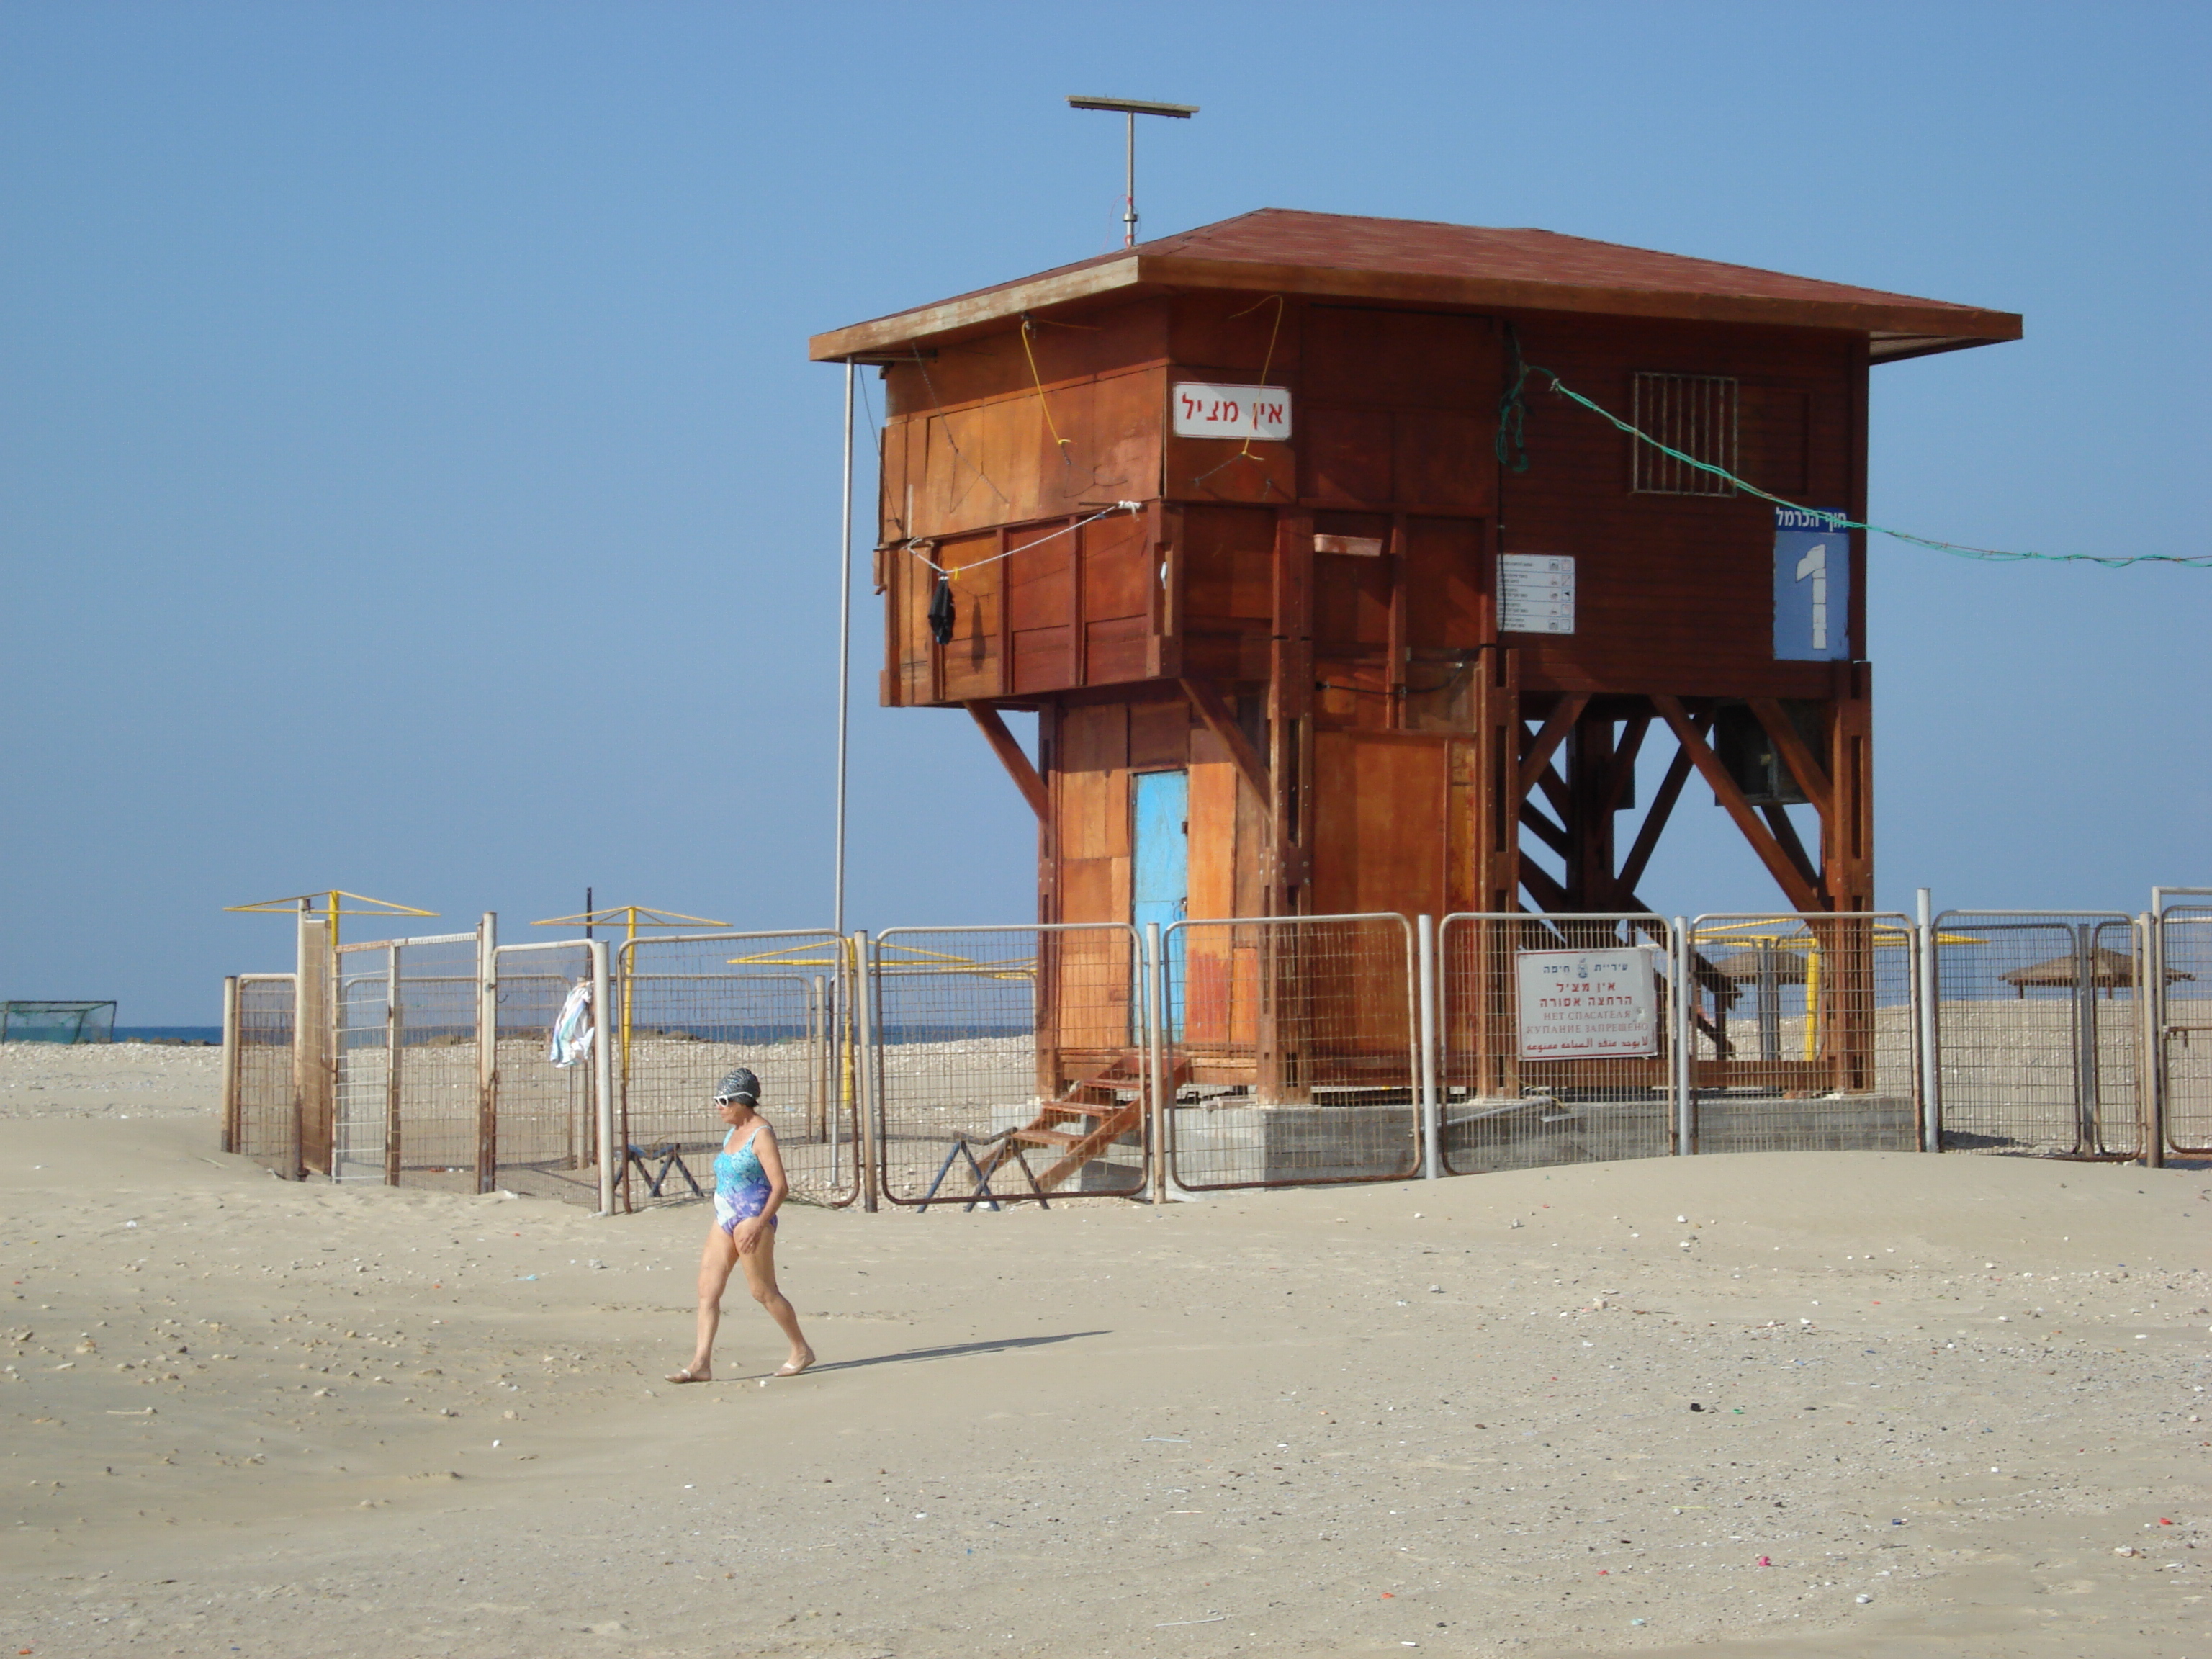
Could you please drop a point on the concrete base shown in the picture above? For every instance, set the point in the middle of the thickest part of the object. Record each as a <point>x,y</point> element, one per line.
<point>1527,1133</point>
<point>1824,1124</point>
<point>1236,1146</point>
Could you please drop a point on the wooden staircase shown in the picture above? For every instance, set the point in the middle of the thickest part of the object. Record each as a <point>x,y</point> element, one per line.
<point>1086,1119</point>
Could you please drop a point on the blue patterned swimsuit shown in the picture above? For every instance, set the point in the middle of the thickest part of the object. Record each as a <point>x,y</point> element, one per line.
<point>741,1187</point>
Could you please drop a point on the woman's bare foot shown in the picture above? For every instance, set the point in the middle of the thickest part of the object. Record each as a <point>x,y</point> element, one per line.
<point>793,1367</point>
<point>695,1373</point>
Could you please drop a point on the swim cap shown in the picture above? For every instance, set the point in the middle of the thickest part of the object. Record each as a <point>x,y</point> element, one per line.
<point>740,1085</point>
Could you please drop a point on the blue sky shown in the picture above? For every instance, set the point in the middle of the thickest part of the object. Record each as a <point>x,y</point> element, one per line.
<point>411,479</point>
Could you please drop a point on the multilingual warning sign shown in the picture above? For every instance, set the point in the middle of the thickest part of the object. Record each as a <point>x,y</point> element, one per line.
<point>1589,1004</point>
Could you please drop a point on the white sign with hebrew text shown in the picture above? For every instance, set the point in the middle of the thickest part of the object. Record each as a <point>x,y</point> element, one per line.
<point>1589,1004</point>
<point>1231,412</point>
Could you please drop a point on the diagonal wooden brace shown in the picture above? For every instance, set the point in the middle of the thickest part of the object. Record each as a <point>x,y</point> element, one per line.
<point>1009,750</point>
<point>1221,720</point>
<point>1800,893</point>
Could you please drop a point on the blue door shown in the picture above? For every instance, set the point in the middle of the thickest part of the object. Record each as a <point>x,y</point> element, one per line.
<point>1160,885</point>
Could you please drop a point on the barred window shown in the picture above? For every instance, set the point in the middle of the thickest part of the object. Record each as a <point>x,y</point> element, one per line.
<point>1695,414</point>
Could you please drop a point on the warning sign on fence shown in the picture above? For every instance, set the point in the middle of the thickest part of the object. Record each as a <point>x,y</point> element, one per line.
<point>1589,1004</point>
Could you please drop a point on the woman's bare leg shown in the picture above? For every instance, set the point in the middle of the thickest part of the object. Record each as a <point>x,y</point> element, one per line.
<point>759,1264</point>
<point>715,1261</point>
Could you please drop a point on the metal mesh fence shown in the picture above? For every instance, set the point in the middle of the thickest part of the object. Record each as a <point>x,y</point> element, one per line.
<point>693,1006</point>
<point>1293,1047</point>
<point>1803,1034</point>
<point>263,1123</point>
<point>1009,1062</point>
<point>546,1132</point>
<point>2184,1037</point>
<point>407,1094</point>
<point>2039,1033</point>
<point>1556,1040</point>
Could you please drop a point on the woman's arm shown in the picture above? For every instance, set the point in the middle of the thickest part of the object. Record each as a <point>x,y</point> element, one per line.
<point>771,1163</point>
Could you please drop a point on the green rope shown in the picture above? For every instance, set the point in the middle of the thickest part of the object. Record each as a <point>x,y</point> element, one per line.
<point>1957,549</point>
<point>1513,414</point>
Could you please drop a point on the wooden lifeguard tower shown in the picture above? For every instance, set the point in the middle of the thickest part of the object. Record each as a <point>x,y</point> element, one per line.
<point>1299,571</point>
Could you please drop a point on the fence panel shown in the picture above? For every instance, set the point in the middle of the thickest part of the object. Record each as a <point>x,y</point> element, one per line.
<point>2039,1034</point>
<point>2184,1027</point>
<point>1293,1051</point>
<point>405,1054</point>
<point>1803,1033</point>
<point>1009,1062</point>
<point>1558,1087</point>
<point>265,1126</point>
<point>546,1142</point>
<point>694,1007</point>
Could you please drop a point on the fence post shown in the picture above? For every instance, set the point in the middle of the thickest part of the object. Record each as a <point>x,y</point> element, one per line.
<point>488,1052</point>
<point>603,1076</point>
<point>1432,1151</point>
<point>1927,1020</point>
<point>311,1047</point>
<point>394,1039</point>
<point>1156,1042</point>
<point>230,1106</point>
<point>1686,1030</point>
<point>2150,1015</point>
<point>862,1067</point>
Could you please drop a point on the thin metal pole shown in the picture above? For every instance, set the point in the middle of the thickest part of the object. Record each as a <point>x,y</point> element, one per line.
<point>1686,1033</point>
<point>394,1041</point>
<point>1156,1050</point>
<point>603,1078</point>
<point>866,1072</point>
<point>845,653</point>
<point>488,1054</point>
<point>1129,202</point>
<point>1930,1013</point>
<point>1432,1160</point>
<point>2150,1024</point>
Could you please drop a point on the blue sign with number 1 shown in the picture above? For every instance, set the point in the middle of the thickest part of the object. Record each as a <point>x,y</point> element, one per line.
<point>1812,587</point>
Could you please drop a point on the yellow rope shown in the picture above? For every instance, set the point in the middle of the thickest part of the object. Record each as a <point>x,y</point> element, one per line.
<point>1029,328</point>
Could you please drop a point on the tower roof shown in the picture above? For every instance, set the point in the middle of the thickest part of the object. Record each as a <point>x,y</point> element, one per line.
<point>1421,262</point>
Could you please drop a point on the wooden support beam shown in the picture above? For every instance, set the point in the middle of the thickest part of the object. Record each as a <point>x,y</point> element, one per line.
<point>1221,720</point>
<point>1654,818</point>
<point>1800,893</point>
<point>1547,891</point>
<point>1009,751</point>
<point>1554,790</point>
<point>1557,724</point>
<point>1812,776</point>
<point>1778,820</point>
<point>1624,761</point>
<point>1549,833</point>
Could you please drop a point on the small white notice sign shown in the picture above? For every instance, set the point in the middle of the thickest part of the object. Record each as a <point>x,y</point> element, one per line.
<point>1231,412</point>
<point>1536,594</point>
<point>1589,1004</point>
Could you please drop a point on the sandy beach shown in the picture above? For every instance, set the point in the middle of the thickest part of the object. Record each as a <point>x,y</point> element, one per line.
<point>1821,1404</point>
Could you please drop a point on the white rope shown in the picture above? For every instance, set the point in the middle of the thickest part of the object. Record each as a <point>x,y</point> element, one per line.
<point>915,547</point>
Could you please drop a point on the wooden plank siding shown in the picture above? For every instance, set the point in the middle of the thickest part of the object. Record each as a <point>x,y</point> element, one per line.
<point>1388,707</point>
<point>1675,593</point>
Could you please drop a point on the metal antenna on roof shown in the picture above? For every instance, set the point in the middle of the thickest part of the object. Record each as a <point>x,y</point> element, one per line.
<point>1132,108</point>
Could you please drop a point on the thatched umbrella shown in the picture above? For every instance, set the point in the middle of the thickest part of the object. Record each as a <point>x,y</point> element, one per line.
<point>2107,971</point>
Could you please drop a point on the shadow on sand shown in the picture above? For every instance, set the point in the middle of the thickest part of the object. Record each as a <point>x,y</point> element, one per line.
<point>1003,1345</point>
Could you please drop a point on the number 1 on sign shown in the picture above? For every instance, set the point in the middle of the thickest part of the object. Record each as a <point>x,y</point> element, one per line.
<point>1814,565</point>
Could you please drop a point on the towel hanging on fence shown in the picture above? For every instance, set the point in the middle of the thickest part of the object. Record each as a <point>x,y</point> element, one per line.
<point>572,1032</point>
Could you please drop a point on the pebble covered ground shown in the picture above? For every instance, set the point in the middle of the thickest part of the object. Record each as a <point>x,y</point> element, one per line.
<point>1808,1404</point>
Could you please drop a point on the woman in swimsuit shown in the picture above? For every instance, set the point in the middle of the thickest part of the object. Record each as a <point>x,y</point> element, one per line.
<point>749,1188</point>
